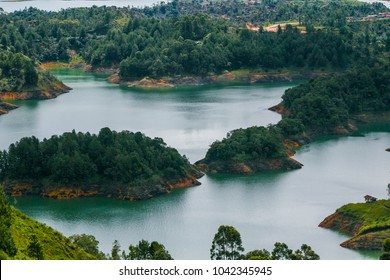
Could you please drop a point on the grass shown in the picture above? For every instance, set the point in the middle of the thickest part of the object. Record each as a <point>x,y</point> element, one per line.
<point>374,216</point>
<point>55,245</point>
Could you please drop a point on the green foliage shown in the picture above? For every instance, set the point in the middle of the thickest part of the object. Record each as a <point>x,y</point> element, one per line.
<point>282,252</point>
<point>89,244</point>
<point>7,243</point>
<point>25,238</point>
<point>250,143</point>
<point>385,256</point>
<point>17,72</point>
<point>325,103</point>
<point>187,37</point>
<point>305,253</point>
<point>147,251</point>
<point>308,13</point>
<point>115,251</point>
<point>386,250</point>
<point>291,127</point>
<point>386,245</point>
<point>258,255</point>
<point>227,244</point>
<point>34,248</point>
<point>123,157</point>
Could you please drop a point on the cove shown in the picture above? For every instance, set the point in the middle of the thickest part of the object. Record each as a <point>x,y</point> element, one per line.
<point>265,208</point>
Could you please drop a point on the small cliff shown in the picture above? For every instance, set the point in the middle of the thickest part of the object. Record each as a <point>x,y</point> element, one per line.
<point>368,223</point>
<point>48,87</point>
<point>109,189</point>
<point>240,76</point>
<point>248,167</point>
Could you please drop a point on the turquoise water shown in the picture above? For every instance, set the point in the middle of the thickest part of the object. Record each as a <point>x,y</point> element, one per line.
<point>265,208</point>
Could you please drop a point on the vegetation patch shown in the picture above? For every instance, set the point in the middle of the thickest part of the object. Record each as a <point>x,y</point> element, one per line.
<point>122,165</point>
<point>368,223</point>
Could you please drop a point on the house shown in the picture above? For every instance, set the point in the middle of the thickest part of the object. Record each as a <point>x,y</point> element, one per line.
<point>369,198</point>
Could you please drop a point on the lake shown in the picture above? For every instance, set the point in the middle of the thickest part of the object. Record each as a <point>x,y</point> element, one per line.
<point>264,208</point>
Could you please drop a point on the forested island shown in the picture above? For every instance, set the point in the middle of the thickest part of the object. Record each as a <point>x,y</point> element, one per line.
<point>121,165</point>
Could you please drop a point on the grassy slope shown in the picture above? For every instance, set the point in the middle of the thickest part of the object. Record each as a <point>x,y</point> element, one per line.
<point>369,223</point>
<point>55,245</point>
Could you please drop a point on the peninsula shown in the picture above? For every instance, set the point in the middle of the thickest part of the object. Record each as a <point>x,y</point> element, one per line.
<point>367,223</point>
<point>21,80</point>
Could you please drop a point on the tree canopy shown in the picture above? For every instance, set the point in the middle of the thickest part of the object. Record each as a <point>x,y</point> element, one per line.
<point>147,251</point>
<point>227,244</point>
<point>125,157</point>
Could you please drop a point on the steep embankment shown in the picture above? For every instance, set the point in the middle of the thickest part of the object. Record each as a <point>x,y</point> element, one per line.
<point>55,246</point>
<point>248,166</point>
<point>368,223</point>
<point>105,188</point>
<point>47,87</point>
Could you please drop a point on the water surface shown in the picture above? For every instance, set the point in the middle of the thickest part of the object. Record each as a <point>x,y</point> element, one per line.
<point>265,208</point>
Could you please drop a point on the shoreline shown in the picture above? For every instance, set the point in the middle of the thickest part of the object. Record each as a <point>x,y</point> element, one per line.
<point>46,89</point>
<point>107,189</point>
<point>229,78</point>
<point>241,76</point>
<point>364,223</point>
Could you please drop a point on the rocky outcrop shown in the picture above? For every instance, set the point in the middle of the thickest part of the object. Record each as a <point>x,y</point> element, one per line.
<point>5,107</point>
<point>368,223</point>
<point>368,241</point>
<point>342,222</point>
<point>225,78</point>
<point>248,167</point>
<point>104,189</point>
<point>48,87</point>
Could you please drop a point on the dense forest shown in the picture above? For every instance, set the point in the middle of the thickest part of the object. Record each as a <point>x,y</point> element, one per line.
<point>16,72</point>
<point>262,13</point>
<point>321,106</point>
<point>120,164</point>
<point>189,38</point>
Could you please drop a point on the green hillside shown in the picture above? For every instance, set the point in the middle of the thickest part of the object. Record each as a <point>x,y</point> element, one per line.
<point>368,223</point>
<point>22,237</point>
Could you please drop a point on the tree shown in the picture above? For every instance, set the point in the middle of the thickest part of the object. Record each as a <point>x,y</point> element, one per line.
<point>148,251</point>
<point>89,244</point>
<point>282,252</point>
<point>115,251</point>
<point>34,248</point>
<point>227,244</point>
<point>305,253</point>
<point>258,255</point>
